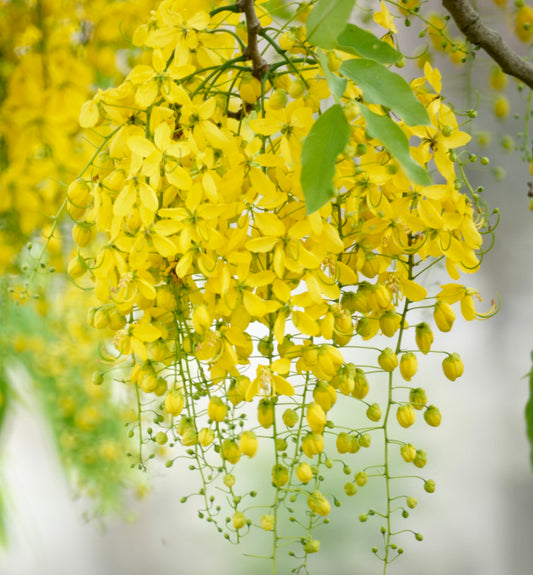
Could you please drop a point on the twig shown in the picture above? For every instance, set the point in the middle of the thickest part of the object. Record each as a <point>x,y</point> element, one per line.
<point>470,24</point>
<point>259,64</point>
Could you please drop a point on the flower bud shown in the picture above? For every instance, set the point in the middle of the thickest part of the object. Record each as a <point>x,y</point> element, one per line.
<point>312,546</point>
<point>365,440</point>
<point>444,316</point>
<point>230,451</point>
<point>361,386</point>
<point>417,398</point>
<point>411,502</point>
<point>374,412</point>
<point>325,395</point>
<point>350,489</point>
<point>408,365</point>
<point>217,410</point>
<point>344,442</point>
<point>424,337</point>
<point>453,366</point>
<point>313,444</point>
<point>265,413</point>
<point>316,417</point>
<point>388,360</point>
<point>421,458</point>
<point>206,436</point>
<point>238,520</point>
<point>304,472</point>
<point>389,322</point>
<point>406,415</point>
<point>229,480</point>
<point>433,416</point>
<point>174,402</point>
<point>267,522</point>
<point>361,478</point>
<point>280,475</point>
<point>408,452</point>
<point>290,417</point>
<point>430,486</point>
<point>248,443</point>
<point>318,503</point>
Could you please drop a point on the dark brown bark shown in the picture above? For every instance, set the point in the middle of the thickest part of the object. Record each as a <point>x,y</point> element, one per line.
<point>259,64</point>
<point>470,24</point>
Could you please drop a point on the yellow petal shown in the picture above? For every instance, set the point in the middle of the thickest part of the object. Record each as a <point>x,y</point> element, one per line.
<point>304,324</point>
<point>141,146</point>
<point>282,386</point>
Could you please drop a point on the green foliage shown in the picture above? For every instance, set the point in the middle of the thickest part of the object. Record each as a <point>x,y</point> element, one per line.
<point>381,86</point>
<point>327,20</point>
<point>529,413</point>
<point>326,140</point>
<point>391,136</point>
<point>359,42</point>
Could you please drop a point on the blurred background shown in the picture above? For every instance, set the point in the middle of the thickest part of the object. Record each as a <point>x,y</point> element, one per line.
<point>478,522</point>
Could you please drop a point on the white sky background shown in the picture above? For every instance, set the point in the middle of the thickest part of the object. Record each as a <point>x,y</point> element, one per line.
<point>479,521</point>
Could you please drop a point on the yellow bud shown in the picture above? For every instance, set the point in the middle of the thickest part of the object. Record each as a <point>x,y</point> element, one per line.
<point>344,442</point>
<point>280,475</point>
<point>312,546</point>
<point>277,99</point>
<point>313,444</point>
<point>433,416</point>
<point>189,437</point>
<point>389,322</point>
<point>206,436</point>
<point>361,386</point>
<point>229,480</point>
<point>230,451</point>
<point>468,307</point>
<point>424,337</point>
<point>249,89</point>
<point>421,458</point>
<point>417,398</point>
<point>361,478</point>
<point>217,410</point>
<point>290,417</point>
<point>408,452</point>
<point>388,360</point>
<point>444,316</point>
<point>408,365</point>
<point>267,522</point>
<point>286,40</point>
<point>76,267</point>
<point>318,503</point>
<point>325,395</point>
<point>406,415</point>
<point>238,520</point>
<point>524,23</point>
<point>265,413</point>
<point>83,235</point>
<point>316,417</point>
<point>248,443</point>
<point>304,472</point>
<point>374,412</point>
<point>453,366</point>
<point>498,80</point>
<point>501,107</point>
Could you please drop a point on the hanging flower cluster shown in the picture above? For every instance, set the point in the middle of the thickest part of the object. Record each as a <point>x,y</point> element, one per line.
<point>52,53</point>
<point>240,315</point>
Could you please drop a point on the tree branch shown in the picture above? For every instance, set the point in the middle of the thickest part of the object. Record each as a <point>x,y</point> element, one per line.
<point>259,64</point>
<point>470,24</point>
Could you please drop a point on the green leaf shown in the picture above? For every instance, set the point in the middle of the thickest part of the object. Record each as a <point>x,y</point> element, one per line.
<point>385,130</point>
<point>355,40</point>
<point>336,84</point>
<point>278,9</point>
<point>325,141</point>
<point>381,86</point>
<point>327,20</point>
<point>529,413</point>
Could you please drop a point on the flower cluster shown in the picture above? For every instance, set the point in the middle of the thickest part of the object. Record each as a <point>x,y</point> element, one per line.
<point>239,314</point>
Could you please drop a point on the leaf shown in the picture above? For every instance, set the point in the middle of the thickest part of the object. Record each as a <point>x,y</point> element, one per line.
<point>359,42</point>
<point>337,85</point>
<point>381,86</point>
<point>325,141</point>
<point>385,130</point>
<point>529,414</point>
<point>326,21</point>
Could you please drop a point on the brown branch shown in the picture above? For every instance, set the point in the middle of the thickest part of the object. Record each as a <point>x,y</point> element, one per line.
<point>259,64</point>
<point>470,24</point>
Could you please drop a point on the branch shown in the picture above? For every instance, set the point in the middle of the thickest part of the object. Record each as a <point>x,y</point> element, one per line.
<point>259,64</point>
<point>470,24</point>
